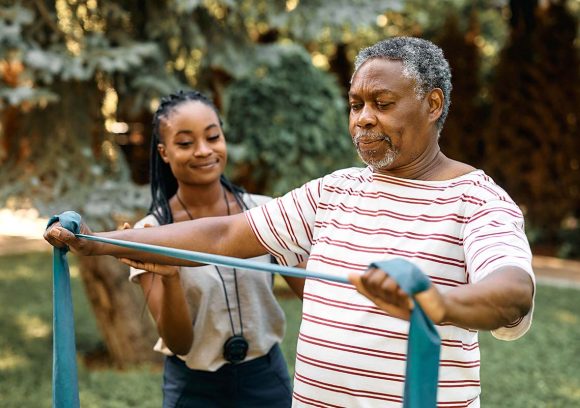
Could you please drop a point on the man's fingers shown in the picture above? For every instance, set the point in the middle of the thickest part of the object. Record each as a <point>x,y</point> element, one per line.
<point>59,235</point>
<point>393,310</point>
<point>432,304</point>
<point>373,280</point>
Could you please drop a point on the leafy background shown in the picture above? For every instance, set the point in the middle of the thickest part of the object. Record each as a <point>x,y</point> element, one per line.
<point>79,81</point>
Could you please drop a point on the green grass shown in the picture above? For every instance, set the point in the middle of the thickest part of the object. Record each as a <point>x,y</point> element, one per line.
<point>540,370</point>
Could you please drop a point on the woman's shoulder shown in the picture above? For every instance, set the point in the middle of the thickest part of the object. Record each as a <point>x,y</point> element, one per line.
<point>255,200</point>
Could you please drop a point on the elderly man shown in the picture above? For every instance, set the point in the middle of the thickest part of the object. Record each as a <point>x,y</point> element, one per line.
<point>410,202</point>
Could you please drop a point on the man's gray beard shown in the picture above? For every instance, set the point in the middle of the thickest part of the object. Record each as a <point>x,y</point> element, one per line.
<point>383,162</point>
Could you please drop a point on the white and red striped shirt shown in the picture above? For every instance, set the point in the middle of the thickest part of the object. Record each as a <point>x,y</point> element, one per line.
<point>350,353</point>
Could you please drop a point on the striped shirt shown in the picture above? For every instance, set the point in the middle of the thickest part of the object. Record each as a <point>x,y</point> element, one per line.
<point>349,352</point>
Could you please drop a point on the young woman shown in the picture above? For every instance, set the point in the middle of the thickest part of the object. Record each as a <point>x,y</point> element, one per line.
<point>220,328</point>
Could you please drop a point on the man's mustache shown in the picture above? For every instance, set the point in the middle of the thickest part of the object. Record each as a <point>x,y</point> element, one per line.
<point>368,137</point>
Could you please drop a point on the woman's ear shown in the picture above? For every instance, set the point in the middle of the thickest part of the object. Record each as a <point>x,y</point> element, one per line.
<point>162,152</point>
<point>435,100</point>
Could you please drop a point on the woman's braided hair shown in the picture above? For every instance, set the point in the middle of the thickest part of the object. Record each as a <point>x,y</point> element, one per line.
<point>163,182</point>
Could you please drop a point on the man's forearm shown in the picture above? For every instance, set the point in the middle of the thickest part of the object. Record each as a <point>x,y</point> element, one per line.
<point>230,236</point>
<point>498,300</point>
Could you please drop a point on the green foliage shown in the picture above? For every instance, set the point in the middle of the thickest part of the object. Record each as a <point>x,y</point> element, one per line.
<point>532,144</point>
<point>331,20</point>
<point>570,242</point>
<point>67,67</point>
<point>461,137</point>
<point>63,62</point>
<point>289,121</point>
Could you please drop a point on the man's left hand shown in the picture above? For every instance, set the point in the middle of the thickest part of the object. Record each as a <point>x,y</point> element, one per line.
<point>384,291</point>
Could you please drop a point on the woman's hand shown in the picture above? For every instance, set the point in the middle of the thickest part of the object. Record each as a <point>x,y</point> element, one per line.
<point>384,291</point>
<point>168,271</point>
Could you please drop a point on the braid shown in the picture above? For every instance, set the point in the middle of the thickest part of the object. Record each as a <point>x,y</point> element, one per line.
<point>237,191</point>
<point>163,182</point>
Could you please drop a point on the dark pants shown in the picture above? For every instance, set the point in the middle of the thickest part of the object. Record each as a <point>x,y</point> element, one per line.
<point>262,382</point>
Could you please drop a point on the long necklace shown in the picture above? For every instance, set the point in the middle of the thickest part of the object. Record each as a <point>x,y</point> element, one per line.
<point>236,347</point>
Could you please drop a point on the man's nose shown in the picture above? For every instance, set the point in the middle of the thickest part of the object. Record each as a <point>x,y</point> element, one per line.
<point>366,117</point>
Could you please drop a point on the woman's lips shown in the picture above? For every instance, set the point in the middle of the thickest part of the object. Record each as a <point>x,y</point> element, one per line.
<point>205,165</point>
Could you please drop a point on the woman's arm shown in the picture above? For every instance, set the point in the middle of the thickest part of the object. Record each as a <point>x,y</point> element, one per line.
<point>166,302</point>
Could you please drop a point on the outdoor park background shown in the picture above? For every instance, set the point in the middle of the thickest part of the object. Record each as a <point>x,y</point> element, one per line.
<point>79,81</point>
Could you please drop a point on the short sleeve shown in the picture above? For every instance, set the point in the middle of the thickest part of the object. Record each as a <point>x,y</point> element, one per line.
<point>134,273</point>
<point>284,226</point>
<point>495,238</point>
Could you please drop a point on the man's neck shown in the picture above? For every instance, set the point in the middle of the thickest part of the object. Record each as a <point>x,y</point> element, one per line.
<point>433,166</point>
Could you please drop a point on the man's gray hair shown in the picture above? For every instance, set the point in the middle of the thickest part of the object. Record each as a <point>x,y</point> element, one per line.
<point>422,61</point>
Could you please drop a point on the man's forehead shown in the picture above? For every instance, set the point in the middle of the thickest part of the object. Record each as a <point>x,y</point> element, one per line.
<point>379,75</point>
<point>374,91</point>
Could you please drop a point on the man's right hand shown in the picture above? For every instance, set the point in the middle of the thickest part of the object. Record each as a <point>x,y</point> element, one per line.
<point>59,237</point>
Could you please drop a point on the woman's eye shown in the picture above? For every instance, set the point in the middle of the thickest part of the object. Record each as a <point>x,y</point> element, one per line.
<point>184,144</point>
<point>213,138</point>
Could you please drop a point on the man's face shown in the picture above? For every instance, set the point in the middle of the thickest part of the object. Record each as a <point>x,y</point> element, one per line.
<point>391,128</point>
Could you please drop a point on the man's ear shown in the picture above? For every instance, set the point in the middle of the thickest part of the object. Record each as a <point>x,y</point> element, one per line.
<point>162,152</point>
<point>435,100</point>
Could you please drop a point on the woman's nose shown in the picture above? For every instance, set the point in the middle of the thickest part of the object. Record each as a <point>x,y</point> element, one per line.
<point>202,149</point>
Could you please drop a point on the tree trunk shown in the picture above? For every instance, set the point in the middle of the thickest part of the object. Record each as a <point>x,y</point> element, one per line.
<point>127,329</point>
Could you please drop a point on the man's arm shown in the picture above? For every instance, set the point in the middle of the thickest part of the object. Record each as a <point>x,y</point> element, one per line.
<point>230,236</point>
<point>498,300</point>
<point>501,298</point>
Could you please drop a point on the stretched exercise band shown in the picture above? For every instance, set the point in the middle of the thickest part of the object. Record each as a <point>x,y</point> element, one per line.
<point>422,369</point>
<point>219,260</point>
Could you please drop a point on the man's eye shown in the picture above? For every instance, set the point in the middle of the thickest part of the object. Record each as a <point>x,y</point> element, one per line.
<point>355,106</point>
<point>383,105</point>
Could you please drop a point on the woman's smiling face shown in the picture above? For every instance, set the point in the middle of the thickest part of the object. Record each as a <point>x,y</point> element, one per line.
<point>193,143</point>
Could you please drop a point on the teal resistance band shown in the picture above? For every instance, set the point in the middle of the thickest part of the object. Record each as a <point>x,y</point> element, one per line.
<point>65,391</point>
<point>424,343</point>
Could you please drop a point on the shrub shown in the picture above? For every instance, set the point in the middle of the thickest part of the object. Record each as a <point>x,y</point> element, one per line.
<point>287,124</point>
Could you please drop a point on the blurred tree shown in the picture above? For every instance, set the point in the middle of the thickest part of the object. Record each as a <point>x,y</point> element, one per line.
<point>532,144</point>
<point>120,56</point>
<point>462,135</point>
<point>78,82</point>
